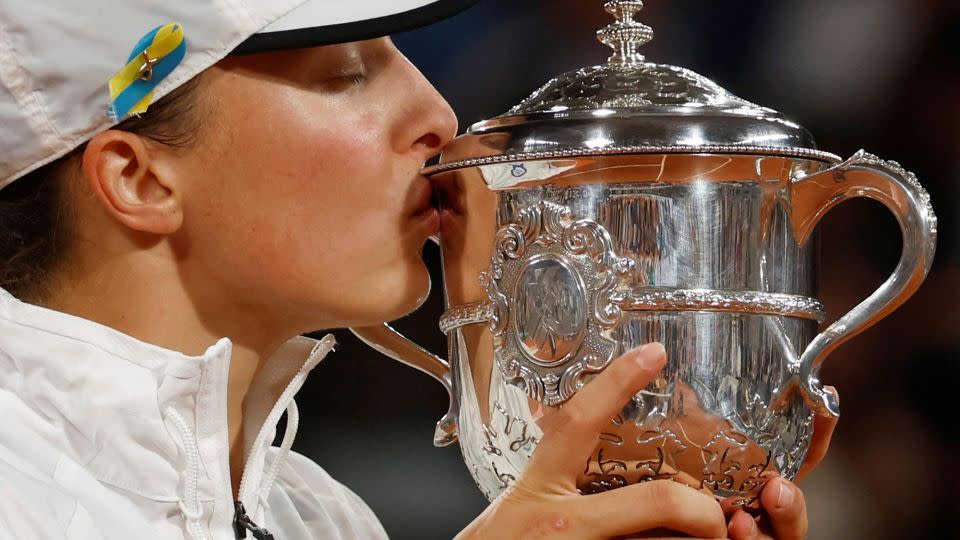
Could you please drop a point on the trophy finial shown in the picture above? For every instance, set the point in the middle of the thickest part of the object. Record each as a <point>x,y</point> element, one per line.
<point>626,35</point>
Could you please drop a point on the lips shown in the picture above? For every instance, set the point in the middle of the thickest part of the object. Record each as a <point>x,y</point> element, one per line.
<point>422,197</point>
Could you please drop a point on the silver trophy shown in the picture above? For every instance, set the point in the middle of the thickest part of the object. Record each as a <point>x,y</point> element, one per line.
<point>634,202</point>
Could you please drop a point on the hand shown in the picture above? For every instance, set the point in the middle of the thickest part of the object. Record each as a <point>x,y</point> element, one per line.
<point>823,427</point>
<point>544,502</point>
<point>784,506</point>
<point>784,518</point>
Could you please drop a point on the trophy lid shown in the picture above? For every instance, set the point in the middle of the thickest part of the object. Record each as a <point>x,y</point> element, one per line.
<point>629,106</point>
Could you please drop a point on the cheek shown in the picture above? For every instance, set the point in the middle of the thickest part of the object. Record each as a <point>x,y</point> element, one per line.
<point>308,169</point>
<point>321,184</point>
<point>300,201</point>
<point>321,154</point>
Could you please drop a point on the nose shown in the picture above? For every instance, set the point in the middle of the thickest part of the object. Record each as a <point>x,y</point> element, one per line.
<point>429,122</point>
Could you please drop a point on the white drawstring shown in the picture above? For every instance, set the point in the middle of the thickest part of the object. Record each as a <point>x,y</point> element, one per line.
<point>190,505</point>
<point>261,443</point>
<point>293,423</point>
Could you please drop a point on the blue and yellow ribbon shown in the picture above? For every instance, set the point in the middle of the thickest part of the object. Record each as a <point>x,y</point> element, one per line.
<point>154,57</point>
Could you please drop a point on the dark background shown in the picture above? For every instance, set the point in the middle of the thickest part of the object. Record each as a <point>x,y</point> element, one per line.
<point>883,75</point>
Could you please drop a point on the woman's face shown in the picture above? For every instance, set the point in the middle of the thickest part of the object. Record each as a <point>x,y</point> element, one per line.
<point>307,202</point>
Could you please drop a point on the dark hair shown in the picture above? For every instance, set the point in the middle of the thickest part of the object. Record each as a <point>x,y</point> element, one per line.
<point>36,219</point>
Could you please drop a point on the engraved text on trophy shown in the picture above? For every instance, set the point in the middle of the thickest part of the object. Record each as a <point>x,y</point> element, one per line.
<point>550,311</point>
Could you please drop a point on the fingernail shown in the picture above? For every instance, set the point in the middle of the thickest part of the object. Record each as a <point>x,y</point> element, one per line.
<point>648,356</point>
<point>785,495</point>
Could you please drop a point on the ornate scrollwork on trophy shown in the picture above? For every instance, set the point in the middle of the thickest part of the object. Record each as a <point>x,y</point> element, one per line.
<point>551,282</point>
<point>460,316</point>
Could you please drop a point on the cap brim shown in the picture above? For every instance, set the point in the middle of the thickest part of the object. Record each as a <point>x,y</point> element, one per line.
<point>325,22</point>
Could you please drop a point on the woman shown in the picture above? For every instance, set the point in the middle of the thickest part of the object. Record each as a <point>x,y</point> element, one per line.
<point>242,204</point>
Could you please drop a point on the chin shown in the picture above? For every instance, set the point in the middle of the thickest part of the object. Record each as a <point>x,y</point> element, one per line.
<point>394,300</point>
<point>414,295</point>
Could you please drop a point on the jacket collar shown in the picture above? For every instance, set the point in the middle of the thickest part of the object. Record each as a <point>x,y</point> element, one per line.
<point>103,395</point>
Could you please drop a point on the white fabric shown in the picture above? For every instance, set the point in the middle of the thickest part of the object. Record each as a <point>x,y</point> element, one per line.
<point>57,56</point>
<point>103,436</point>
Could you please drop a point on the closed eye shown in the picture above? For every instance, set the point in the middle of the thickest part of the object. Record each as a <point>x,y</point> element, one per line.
<point>356,78</point>
<point>342,83</point>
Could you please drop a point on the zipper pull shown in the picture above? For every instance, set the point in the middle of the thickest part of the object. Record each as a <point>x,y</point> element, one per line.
<point>242,523</point>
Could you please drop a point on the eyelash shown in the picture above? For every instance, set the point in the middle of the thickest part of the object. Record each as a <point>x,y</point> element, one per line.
<point>344,81</point>
<point>355,79</point>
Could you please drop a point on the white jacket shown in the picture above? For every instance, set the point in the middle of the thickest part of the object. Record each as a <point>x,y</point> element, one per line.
<point>104,436</point>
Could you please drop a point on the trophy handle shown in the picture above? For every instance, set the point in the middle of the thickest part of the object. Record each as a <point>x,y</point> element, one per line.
<point>864,175</point>
<point>388,342</point>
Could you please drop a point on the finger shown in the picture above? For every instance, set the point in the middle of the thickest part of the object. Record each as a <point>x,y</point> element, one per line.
<point>662,504</point>
<point>823,428</point>
<point>731,505</point>
<point>571,432</point>
<point>786,510</point>
<point>742,526</point>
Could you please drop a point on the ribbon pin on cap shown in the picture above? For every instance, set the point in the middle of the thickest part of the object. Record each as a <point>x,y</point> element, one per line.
<point>154,57</point>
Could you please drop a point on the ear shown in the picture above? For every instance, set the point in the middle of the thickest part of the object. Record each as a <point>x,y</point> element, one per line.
<point>125,173</point>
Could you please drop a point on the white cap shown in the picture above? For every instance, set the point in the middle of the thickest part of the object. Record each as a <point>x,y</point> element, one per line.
<point>57,57</point>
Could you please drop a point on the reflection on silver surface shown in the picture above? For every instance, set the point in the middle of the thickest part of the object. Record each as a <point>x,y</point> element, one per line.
<point>550,280</point>
<point>550,318</point>
<point>458,316</point>
<point>625,36</point>
<point>865,175</point>
<point>722,273</point>
<point>634,202</point>
<point>540,150</point>
<point>628,106</point>
<point>786,305</point>
<point>505,175</point>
